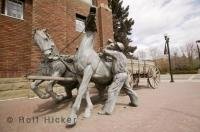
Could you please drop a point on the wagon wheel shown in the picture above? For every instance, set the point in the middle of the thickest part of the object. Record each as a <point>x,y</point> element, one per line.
<point>134,80</point>
<point>153,77</point>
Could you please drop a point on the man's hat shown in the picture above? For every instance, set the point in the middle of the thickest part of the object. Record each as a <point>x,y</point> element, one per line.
<point>110,41</point>
<point>120,46</point>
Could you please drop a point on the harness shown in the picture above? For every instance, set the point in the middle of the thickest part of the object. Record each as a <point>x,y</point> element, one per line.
<point>54,57</point>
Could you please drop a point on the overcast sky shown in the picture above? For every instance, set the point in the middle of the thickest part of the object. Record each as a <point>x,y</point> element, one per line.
<point>180,19</point>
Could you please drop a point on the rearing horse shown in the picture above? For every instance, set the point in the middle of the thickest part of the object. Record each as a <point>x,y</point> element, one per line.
<point>92,68</point>
<point>57,68</point>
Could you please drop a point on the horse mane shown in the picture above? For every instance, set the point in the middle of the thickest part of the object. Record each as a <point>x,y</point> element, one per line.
<point>46,32</point>
<point>48,35</point>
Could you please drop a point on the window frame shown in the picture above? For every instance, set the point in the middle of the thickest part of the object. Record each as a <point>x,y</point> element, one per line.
<point>94,2</point>
<point>5,12</point>
<point>81,18</point>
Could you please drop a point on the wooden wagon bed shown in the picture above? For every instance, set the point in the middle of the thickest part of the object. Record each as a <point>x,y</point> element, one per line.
<point>143,69</point>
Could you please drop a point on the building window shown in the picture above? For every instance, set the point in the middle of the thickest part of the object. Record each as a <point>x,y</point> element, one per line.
<point>13,8</point>
<point>90,2</point>
<point>80,23</point>
<point>94,2</point>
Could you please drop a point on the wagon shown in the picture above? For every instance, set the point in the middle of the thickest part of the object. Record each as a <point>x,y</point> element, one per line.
<point>143,69</point>
<point>137,69</point>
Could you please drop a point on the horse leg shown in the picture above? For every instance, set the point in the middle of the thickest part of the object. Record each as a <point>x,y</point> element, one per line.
<point>69,93</point>
<point>89,107</point>
<point>102,92</point>
<point>132,95</point>
<point>113,92</point>
<point>39,93</point>
<point>49,89</point>
<point>72,118</point>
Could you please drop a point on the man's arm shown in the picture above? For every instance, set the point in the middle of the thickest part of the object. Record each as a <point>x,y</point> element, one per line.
<point>111,53</point>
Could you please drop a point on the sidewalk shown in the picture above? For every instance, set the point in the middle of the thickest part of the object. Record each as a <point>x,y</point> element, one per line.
<point>173,107</point>
<point>181,77</point>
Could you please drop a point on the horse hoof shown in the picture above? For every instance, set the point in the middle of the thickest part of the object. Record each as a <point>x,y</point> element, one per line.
<point>72,119</point>
<point>87,113</point>
<point>45,96</point>
<point>104,113</point>
<point>67,97</point>
<point>59,97</point>
<point>133,104</point>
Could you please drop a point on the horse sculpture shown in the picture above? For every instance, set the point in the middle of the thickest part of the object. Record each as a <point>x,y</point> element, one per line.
<point>56,67</point>
<point>52,66</point>
<point>92,68</point>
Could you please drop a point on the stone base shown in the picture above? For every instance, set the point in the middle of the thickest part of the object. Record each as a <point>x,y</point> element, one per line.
<point>20,87</point>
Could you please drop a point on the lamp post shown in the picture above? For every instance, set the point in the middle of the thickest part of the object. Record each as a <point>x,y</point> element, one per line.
<point>198,41</point>
<point>169,58</point>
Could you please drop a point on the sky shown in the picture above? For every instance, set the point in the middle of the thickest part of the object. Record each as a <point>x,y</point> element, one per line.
<point>179,19</point>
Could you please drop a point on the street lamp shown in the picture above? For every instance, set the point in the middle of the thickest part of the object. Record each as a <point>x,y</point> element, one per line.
<point>198,41</point>
<point>167,51</point>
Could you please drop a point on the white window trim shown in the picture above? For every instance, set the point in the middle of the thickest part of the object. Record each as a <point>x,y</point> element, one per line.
<point>90,2</point>
<point>6,12</point>
<point>80,20</point>
<point>76,28</point>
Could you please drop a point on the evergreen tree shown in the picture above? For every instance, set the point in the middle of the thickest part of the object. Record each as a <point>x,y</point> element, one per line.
<point>122,25</point>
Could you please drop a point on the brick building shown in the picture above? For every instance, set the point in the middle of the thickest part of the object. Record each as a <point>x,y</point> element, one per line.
<point>63,19</point>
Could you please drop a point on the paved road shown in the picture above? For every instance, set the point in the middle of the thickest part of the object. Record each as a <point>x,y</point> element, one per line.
<point>174,107</point>
<point>182,77</point>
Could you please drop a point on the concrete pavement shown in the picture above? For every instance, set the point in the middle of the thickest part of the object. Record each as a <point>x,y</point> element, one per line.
<point>173,107</point>
<point>181,77</point>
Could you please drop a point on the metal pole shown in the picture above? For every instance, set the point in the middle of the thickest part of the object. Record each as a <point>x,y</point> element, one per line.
<point>198,41</point>
<point>169,58</point>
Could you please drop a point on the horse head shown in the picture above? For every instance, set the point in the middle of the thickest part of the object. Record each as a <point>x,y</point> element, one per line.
<point>43,40</point>
<point>91,20</point>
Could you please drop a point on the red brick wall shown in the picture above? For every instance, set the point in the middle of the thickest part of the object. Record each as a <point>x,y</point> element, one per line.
<point>102,1</point>
<point>49,14</point>
<point>58,16</point>
<point>74,7</point>
<point>105,24</point>
<point>103,21</point>
<point>15,43</point>
<point>18,52</point>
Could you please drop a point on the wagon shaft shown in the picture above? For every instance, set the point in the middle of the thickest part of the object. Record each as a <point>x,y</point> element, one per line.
<point>49,78</point>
